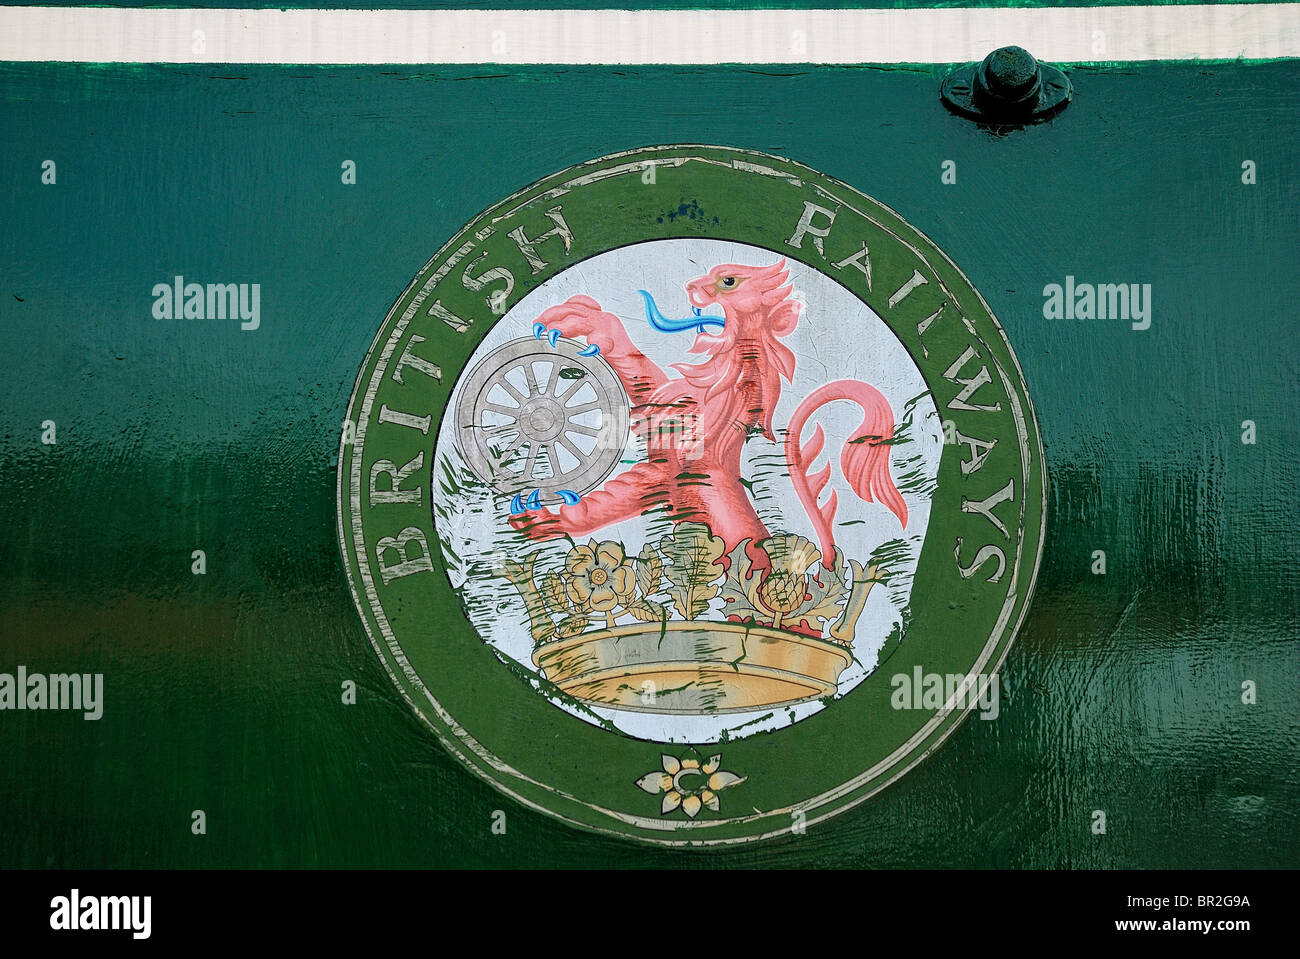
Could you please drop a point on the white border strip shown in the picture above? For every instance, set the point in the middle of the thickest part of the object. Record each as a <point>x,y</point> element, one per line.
<point>953,35</point>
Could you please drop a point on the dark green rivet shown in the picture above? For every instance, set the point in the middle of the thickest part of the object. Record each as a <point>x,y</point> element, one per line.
<point>1009,74</point>
<point>1008,87</point>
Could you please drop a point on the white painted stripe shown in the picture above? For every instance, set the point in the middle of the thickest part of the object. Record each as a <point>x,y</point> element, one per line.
<point>1062,35</point>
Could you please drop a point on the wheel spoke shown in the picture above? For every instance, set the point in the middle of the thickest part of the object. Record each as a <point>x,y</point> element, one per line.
<point>531,378</point>
<point>505,440</point>
<point>584,408</point>
<point>512,389</point>
<point>580,428</point>
<point>531,464</point>
<point>503,448</point>
<point>503,410</point>
<point>573,451</point>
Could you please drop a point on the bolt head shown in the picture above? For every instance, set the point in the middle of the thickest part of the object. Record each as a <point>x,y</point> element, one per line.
<point>1008,87</point>
<point>1010,73</point>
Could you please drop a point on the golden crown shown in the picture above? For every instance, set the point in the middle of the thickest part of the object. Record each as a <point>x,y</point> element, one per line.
<point>646,632</point>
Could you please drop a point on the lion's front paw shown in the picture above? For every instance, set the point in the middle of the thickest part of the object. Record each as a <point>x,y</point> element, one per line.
<point>537,525</point>
<point>576,318</point>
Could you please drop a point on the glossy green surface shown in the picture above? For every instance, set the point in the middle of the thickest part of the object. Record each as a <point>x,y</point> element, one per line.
<point>1122,692</point>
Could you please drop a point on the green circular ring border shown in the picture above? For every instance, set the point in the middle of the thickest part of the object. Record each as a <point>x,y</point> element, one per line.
<point>859,788</point>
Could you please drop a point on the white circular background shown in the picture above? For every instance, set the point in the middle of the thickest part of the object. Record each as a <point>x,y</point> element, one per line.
<point>838,337</point>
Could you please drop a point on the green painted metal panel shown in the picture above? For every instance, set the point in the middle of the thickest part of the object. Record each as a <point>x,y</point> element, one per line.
<point>1123,691</point>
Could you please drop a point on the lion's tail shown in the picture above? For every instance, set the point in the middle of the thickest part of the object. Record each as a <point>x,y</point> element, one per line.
<point>864,459</point>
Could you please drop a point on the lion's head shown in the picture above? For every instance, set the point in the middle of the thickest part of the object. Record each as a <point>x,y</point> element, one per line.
<point>759,307</point>
<point>748,293</point>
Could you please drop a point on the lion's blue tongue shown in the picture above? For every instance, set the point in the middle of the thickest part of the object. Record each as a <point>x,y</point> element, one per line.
<point>698,321</point>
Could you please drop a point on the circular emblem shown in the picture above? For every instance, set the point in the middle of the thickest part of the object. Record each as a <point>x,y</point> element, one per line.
<point>692,496</point>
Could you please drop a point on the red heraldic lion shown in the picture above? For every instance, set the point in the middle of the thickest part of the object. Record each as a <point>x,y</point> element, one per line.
<point>696,423</point>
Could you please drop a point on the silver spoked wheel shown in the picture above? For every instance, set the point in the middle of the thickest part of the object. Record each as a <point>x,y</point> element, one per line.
<point>536,417</point>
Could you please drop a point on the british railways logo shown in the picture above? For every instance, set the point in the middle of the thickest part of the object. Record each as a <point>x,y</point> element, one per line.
<point>656,465</point>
